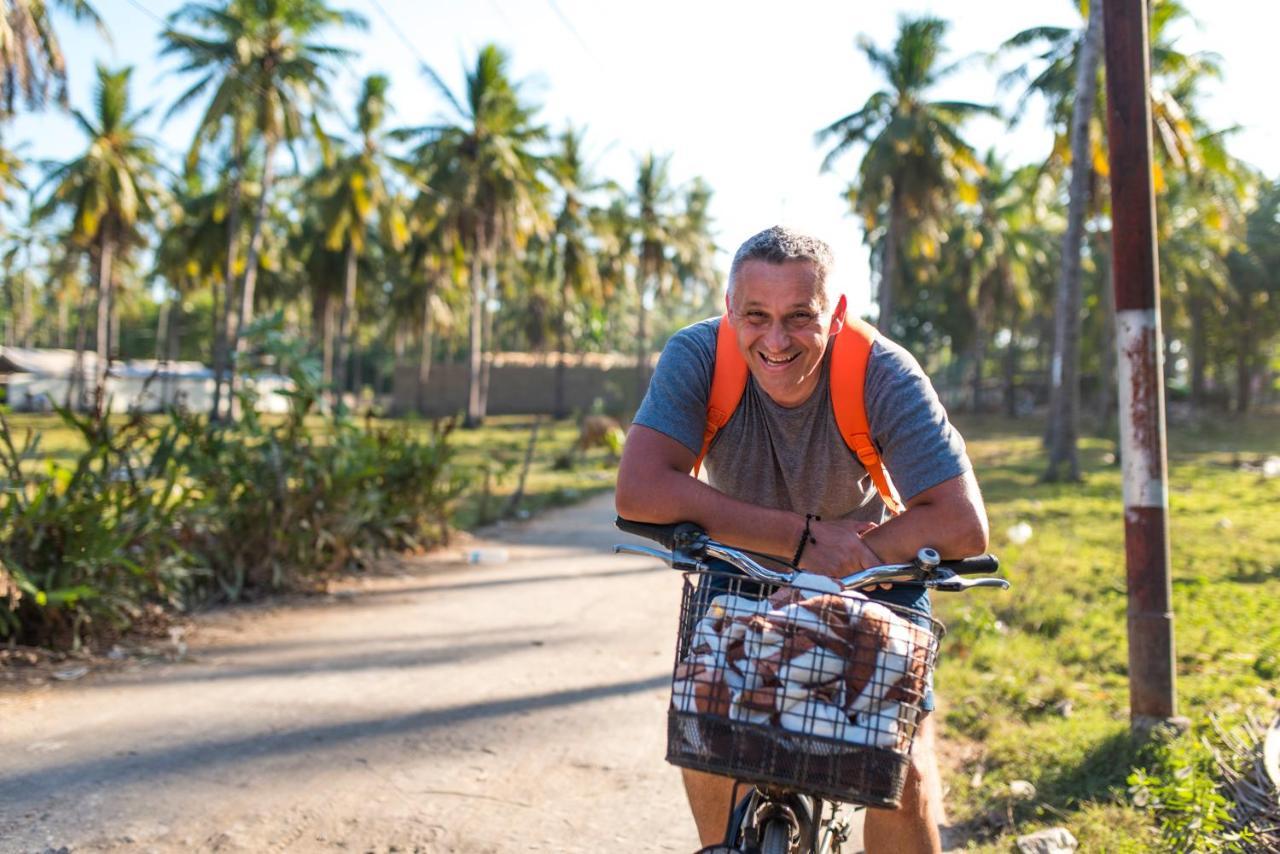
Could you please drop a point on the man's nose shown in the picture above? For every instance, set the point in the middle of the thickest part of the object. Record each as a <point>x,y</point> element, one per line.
<point>776,338</point>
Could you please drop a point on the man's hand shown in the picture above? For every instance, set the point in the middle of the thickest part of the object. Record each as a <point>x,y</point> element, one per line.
<point>838,548</point>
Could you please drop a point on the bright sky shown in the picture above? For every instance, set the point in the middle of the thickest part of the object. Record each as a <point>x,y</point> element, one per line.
<point>733,90</point>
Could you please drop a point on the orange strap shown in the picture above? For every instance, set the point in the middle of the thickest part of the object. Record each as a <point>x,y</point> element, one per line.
<point>850,354</point>
<point>728,382</point>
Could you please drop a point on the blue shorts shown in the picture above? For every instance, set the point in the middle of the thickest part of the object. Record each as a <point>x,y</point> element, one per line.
<point>901,595</point>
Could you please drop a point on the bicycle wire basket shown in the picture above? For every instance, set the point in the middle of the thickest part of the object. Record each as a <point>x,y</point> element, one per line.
<point>818,693</point>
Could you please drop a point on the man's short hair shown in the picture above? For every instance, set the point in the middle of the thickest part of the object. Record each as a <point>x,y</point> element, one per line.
<point>779,244</point>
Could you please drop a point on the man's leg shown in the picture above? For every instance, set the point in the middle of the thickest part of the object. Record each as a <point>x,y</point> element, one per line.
<point>711,799</point>
<point>913,827</point>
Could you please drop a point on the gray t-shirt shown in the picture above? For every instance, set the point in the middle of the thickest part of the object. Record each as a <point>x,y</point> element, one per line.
<point>794,458</point>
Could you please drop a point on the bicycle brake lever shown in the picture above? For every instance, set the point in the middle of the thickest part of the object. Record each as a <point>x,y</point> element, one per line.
<point>647,551</point>
<point>959,583</point>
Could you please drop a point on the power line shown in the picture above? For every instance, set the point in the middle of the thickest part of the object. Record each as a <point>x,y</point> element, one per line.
<point>564,19</point>
<point>395,28</point>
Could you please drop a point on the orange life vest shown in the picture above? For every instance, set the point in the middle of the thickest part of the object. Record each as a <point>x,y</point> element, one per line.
<point>851,350</point>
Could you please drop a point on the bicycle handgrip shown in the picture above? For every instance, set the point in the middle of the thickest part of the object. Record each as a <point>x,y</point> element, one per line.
<point>980,565</point>
<point>667,535</point>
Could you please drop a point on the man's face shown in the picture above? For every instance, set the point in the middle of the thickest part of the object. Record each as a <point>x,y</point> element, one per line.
<point>782,331</point>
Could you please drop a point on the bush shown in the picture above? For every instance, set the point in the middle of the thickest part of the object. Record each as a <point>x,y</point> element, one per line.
<point>84,547</point>
<point>181,512</point>
<point>284,505</point>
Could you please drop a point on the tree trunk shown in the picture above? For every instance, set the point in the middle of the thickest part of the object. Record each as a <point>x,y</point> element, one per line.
<point>1199,351</point>
<point>889,265</point>
<point>222,318</point>
<point>1064,401</point>
<point>238,344</point>
<point>424,354</point>
<point>329,346</point>
<point>76,384</point>
<point>642,342</point>
<point>559,408</point>
<point>487,345</point>
<point>1108,394</point>
<point>343,355</point>
<point>162,329</point>
<point>475,414</point>
<point>1244,373</point>
<point>63,322</point>
<point>978,348</point>
<point>1011,370</point>
<point>106,257</point>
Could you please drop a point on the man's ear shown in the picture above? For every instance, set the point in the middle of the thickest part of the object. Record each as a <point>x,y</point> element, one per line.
<point>837,316</point>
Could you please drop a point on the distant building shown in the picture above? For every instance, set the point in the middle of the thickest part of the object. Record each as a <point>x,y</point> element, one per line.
<point>37,379</point>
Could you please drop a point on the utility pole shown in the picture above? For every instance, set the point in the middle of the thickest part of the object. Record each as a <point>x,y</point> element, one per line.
<point>1140,351</point>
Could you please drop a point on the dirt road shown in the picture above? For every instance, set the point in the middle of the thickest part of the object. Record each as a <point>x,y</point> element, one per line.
<point>493,708</point>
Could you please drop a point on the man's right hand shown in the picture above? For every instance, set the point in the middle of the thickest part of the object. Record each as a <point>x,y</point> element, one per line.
<point>838,549</point>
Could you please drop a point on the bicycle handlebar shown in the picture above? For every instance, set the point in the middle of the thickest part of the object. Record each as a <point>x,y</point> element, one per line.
<point>689,545</point>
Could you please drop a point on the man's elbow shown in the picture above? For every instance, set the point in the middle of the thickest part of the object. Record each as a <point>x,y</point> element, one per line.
<point>975,534</point>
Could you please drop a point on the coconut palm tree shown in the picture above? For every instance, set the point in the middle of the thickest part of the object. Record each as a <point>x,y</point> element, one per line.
<point>353,195</point>
<point>110,191</point>
<point>578,274</point>
<point>1001,248</point>
<point>914,159</point>
<point>482,158</point>
<point>31,62</point>
<point>654,213</point>
<point>266,75</point>
<point>1065,74</point>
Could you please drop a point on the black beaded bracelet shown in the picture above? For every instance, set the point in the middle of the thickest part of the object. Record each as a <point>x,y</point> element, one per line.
<point>805,538</point>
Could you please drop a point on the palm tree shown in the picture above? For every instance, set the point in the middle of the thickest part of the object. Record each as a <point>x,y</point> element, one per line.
<point>656,227</point>
<point>110,191</point>
<point>577,270</point>
<point>915,157</point>
<point>353,194</point>
<point>192,248</point>
<point>615,231</point>
<point>1067,79</point>
<point>695,259</point>
<point>31,60</point>
<point>1001,249</point>
<point>266,76</point>
<point>1253,297</point>
<point>482,159</point>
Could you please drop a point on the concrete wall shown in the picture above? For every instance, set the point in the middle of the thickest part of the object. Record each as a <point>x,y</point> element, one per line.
<point>523,384</point>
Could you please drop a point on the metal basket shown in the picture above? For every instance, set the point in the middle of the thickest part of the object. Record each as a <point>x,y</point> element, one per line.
<point>816,693</point>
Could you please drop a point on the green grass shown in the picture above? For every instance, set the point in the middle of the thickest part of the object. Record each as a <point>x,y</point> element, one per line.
<point>1015,661</point>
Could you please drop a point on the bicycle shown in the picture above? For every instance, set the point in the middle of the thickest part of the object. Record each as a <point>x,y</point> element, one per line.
<point>763,658</point>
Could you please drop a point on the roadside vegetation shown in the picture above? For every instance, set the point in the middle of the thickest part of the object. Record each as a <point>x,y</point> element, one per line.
<point>1034,680</point>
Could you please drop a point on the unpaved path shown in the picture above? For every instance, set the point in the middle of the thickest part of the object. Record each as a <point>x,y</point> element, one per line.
<point>491,708</point>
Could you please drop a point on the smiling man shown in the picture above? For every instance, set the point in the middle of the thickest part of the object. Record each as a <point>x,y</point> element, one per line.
<point>780,457</point>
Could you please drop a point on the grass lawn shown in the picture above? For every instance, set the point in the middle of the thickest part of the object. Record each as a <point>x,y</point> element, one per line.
<point>1034,680</point>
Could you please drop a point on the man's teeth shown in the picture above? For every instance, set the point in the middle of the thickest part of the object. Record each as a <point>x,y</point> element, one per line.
<point>772,361</point>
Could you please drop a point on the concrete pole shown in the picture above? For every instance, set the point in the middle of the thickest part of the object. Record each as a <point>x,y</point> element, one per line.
<point>1135,274</point>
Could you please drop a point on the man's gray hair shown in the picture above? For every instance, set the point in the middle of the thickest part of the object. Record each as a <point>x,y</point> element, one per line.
<point>780,244</point>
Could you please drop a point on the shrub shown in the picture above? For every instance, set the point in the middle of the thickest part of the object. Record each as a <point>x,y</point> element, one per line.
<point>284,505</point>
<point>84,547</point>
<point>253,506</point>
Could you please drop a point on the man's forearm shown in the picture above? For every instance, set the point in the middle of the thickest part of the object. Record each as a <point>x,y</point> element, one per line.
<point>671,496</point>
<point>956,528</point>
